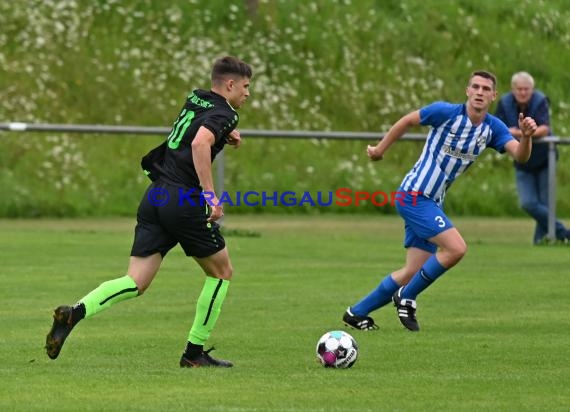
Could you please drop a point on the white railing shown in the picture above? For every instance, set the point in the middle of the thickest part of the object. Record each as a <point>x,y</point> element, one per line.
<point>289,134</point>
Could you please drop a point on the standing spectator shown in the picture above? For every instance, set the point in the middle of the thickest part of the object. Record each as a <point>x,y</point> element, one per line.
<point>532,176</point>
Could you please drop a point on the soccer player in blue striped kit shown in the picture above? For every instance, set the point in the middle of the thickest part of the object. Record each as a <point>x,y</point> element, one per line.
<point>459,133</point>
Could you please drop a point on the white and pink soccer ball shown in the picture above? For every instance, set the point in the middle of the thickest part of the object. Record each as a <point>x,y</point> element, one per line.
<point>337,349</point>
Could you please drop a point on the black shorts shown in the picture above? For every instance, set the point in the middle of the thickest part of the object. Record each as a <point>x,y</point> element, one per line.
<point>168,215</point>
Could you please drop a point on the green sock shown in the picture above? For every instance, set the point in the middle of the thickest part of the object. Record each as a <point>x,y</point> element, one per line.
<point>208,309</point>
<point>109,293</point>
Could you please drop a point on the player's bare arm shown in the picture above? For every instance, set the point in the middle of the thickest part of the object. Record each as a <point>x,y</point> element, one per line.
<point>201,155</point>
<point>396,131</point>
<point>520,150</point>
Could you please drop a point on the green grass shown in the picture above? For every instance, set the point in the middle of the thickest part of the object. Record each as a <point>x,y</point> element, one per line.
<point>495,329</point>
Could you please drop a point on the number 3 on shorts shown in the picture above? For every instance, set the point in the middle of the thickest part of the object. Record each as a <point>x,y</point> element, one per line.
<point>440,221</point>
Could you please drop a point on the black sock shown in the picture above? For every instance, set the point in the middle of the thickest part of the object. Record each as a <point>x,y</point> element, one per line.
<point>77,313</point>
<point>192,351</point>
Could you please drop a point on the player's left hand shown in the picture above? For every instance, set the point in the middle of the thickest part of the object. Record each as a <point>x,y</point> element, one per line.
<point>234,138</point>
<point>527,125</point>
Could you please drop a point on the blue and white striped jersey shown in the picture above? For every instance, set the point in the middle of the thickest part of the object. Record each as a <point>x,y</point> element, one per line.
<point>452,145</point>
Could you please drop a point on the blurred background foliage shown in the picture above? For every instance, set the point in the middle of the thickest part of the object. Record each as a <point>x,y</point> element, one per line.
<point>334,65</point>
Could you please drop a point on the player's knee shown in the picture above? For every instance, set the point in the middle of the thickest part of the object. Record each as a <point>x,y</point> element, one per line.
<point>227,272</point>
<point>452,254</point>
<point>224,272</point>
<point>458,251</point>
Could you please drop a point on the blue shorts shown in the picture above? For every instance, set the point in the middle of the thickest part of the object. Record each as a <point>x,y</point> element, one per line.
<point>424,219</point>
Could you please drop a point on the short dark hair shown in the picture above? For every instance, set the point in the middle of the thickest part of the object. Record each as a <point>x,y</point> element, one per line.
<point>228,66</point>
<point>486,75</point>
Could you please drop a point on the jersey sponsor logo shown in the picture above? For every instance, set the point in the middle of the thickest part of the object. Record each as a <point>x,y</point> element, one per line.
<point>200,102</point>
<point>457,153</point>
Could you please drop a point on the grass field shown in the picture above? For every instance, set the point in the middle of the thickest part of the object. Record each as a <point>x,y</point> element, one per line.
<point>495,330</point>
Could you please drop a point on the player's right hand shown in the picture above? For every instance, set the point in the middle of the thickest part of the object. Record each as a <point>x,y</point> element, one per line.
<point>214,206</point>
<point>216,212</point>
<point>373,153</point>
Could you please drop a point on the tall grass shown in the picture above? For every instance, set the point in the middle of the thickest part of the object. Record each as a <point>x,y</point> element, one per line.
<point>319,65</point>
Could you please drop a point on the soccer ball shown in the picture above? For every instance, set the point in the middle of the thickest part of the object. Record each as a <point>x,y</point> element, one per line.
<point>337,349</point>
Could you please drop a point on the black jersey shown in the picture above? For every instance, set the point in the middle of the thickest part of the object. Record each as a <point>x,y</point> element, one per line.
<point>202,108</point>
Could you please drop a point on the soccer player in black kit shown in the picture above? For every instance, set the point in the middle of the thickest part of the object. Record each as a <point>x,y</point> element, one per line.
<point>173,211</point>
